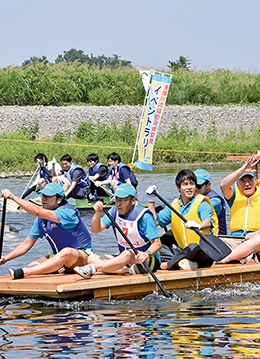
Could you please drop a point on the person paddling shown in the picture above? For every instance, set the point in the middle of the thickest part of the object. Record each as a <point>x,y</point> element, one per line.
<point>180,245</point>
<point>138,224</point>
<point>63,228</point>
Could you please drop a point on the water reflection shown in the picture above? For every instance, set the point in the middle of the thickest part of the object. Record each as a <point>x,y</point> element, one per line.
<point>152,328</point>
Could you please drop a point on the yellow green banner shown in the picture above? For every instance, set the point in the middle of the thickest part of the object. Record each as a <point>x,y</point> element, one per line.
<point>150,121</point>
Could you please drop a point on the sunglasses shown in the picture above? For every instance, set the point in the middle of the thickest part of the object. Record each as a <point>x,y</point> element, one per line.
<point>199,186</point>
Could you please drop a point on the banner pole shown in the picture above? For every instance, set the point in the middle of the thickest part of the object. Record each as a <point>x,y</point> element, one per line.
<point>140,124</point>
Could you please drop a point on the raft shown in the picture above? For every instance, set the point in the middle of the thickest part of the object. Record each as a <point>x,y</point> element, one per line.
<point>111,286</point>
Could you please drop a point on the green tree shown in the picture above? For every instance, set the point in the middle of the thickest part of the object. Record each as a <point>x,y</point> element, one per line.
<point>71,56</point>
<point>93,61</point>
<point>182,62</point>
<point>34,60</point>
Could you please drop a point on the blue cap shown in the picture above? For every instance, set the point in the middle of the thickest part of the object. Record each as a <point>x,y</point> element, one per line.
<point>53,188</point>
<point>251,174</point>
<point>202,176</point>
<point>124,190</point>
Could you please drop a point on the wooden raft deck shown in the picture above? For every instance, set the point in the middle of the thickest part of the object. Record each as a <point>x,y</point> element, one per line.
<point>103,286</point>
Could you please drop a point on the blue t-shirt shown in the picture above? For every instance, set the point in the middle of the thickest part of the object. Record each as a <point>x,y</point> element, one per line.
<point>217,204</point>
<point>124,173</point>
<point>68,219</point>
<point>164,217</point>
<point>146,224</point>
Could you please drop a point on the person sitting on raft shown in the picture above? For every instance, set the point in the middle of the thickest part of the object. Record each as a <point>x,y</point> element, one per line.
<point>78,184</point>
<point>242,193</point>
<point>63,228</point>
<point>218,202</point>
<point>245,252</point>
<point>119,172</point>
<point>44,175</point>
<point>180,245</point>
<point>98,172</point>
<point>138,224</point>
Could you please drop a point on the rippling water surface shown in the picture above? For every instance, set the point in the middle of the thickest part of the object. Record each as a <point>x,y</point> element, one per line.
<point>217,323</point>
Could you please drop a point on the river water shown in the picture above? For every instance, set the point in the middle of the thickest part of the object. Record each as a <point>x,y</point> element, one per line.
<point>209,323</point>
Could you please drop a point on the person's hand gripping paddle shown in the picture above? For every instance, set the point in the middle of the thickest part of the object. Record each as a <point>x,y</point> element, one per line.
<point>165,292</point>
<point>210,244</point>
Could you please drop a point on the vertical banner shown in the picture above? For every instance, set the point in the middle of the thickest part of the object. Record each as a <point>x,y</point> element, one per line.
<point>151,119</point>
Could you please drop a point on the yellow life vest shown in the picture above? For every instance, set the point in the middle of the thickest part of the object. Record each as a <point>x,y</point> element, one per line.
<point>244,213</point>
<point>186,236</point>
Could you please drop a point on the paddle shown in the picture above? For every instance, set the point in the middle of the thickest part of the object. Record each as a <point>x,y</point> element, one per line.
<point>230,236</point>
<point>37,169</point>
<point>210,244</point>
<point>110,193</point>
<point>165,292</point>
<point>13,206</point>
<point>2,227</point>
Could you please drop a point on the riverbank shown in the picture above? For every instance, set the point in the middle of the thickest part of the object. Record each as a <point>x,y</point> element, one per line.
<point>67,118</point>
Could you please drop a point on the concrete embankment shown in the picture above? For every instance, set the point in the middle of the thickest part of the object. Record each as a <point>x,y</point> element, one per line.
<point>67,118</point>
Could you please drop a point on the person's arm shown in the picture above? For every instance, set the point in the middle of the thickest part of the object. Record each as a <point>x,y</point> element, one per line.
<point>107,181</point>
<point>96,224</point>
<point>151,207</point>
<point>252,234</point>
<point>154,248</point>
<point>227,183</point>
<point>21,249</point>
<point>95,177</point>
<point>101,173</point>
<point>71,188</point>
<point>125,174</point>
<point>31,207</point>
<point>151,201</point>
<point>45,170</point>
<point>205,215</point>
<point>206,224</point>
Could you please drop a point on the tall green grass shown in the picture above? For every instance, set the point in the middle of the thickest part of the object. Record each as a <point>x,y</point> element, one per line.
<point>179,145</point>
<point>63,84</point>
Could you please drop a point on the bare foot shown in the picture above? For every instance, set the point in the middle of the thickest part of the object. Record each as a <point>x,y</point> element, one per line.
<point>163,265</point>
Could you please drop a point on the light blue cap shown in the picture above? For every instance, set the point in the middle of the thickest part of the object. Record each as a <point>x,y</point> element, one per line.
<point>202,176</point>
<point>124,190</point>
<point>53,188</point>
<point>251,174</point>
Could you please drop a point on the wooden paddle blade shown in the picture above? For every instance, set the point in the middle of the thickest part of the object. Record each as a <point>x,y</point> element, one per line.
<point>214,247</point>
<point>11,205</point>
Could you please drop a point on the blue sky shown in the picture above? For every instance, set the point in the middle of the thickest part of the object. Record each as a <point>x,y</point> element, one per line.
<point>212,33</point>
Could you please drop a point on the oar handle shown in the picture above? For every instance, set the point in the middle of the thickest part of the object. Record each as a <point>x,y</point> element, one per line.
<point>3,226</point>
<point>178,214</point>
<point>165,292</point>
<point>110,193</point>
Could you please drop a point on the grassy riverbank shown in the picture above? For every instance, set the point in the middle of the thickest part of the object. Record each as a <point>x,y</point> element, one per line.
<point>63,84</point>
<point>184,145</point>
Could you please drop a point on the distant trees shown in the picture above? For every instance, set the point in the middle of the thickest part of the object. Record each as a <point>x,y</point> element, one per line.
<point>36,60</point>
<point>97,61</point>
<point>182,62</point>
<point>78,55</point>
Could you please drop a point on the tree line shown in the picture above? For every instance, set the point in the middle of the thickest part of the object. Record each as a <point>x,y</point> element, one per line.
<point>99,61</point>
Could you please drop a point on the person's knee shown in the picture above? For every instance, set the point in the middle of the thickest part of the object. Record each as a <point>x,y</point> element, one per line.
<point>67,252</point>
<point>128,255</point>
<point>42,183</point>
